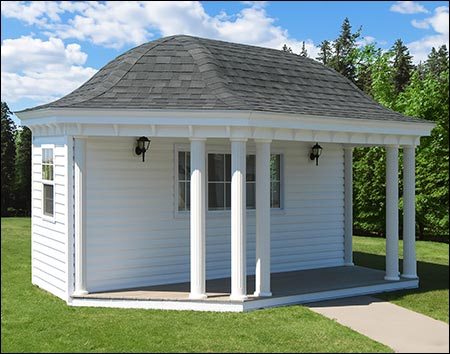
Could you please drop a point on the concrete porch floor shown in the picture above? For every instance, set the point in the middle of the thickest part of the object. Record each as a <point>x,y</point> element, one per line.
<point>287,288</point>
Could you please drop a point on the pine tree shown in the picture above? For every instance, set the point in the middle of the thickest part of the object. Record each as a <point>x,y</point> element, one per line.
<point>345,51</point>
<point>402,66</point>
<point>304,52</point>
<point>325,52</point>
<point>437,61</point>
<point>8,156</point>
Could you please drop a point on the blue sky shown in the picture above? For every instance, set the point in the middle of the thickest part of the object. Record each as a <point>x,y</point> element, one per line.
<point>49,48</point>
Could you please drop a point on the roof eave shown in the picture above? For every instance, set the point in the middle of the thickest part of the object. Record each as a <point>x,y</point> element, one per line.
<point>235,118</point>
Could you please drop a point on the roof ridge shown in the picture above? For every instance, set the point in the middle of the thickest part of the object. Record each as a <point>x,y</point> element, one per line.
<point>215,81</point>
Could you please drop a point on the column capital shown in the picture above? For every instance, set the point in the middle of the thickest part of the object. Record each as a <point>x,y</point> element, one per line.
<point>242,140</point>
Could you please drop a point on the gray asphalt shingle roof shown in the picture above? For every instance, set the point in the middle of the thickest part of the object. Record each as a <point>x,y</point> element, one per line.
<point>184,72</point>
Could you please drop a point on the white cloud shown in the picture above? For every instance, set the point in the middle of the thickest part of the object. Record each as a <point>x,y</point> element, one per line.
<point>115,24</point>
<point>420,24</point>
<point>408,7</point>
<point>34,12</point>
<point>439,22</point>
<point>44,70</point>
<point>41,70</point>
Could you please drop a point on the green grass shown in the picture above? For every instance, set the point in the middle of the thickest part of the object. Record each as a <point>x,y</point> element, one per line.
<point>35,321</point>
<point>432,296</point>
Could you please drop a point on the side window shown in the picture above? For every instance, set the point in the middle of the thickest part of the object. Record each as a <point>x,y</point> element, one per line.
<point>47,182</point>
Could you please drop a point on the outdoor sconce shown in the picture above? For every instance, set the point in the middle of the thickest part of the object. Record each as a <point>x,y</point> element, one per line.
<point>143,143</point>
<point>316,150</point>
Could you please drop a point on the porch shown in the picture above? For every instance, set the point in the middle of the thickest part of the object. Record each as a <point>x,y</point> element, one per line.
<point>287,288</point>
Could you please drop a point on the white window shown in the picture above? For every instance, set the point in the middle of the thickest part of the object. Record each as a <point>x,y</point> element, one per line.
<point>219,181</point>
<point>47,182</point>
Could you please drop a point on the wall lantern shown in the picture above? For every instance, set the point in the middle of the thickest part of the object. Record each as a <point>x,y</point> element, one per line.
<point>316,151</point>
<point>143,143</point>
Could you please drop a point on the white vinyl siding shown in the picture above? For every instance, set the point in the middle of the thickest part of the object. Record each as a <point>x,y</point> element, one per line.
<point>136,237</point>
<point>50,214</point>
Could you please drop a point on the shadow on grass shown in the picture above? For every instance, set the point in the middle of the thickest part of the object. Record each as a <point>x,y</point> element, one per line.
<point>432,276</point>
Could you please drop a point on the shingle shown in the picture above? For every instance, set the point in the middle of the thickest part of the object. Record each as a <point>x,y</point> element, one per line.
<point>188,72</point>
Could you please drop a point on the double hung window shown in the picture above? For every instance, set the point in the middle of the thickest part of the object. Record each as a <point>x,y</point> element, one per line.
<point>47,182</point>
<point>219,181</point>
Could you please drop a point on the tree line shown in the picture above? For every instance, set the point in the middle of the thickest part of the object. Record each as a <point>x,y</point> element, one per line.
<point>390,77</point>
<point>421,91</point>
<point>16,166</point>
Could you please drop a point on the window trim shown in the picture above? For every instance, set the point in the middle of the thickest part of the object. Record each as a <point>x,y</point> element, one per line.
<point>223,149</point>
<point>47,217</point>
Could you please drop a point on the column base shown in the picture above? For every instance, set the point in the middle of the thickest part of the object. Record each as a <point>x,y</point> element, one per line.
<point>80,292</point>
<point>349,264</point>
<point>262,294</point>
<point>198,296</point>
<point>238,297</point>
<point>391,278</point>
<point>410,276</point>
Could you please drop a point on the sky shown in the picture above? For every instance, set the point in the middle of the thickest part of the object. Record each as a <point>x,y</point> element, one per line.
<point>49,48</point>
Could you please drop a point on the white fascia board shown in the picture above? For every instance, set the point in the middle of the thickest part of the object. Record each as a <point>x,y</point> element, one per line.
<point>222,118</point>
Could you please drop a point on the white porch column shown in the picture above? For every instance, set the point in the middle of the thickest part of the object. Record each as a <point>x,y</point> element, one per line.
<point>409,213</point>
<point>262,272</point>
<point>348,205</point>
<point>198,247</point>
<point>392,213</point>
<point>80,207</point>
<point>238,218</point>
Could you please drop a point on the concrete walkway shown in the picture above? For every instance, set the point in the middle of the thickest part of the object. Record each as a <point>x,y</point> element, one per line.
<point>403,330</point>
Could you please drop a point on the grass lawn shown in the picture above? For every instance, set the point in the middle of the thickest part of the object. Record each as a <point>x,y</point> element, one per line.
<point>35,321</point>
<point>432,297</point>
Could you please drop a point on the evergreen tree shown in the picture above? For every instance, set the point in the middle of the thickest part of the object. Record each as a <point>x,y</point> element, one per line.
<point>402,66</point>
<point>23,172</point>
<point>437,61</point>
<point>345,51</point>
<point>325,52</point>
<point>304,52</point>
<point>8,156</point>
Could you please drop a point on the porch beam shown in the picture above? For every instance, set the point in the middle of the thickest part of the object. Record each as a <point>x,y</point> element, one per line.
<point>409,213</point>
<point>238,220</point>
<point>392,213</point>
<point>348,205</point>
<point>197,214</point>
<point>79,217</point>
<point>262,271</point>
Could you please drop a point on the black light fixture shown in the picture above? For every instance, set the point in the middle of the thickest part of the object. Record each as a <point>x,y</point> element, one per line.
<point>316,151</point>
<point>143,143</point>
